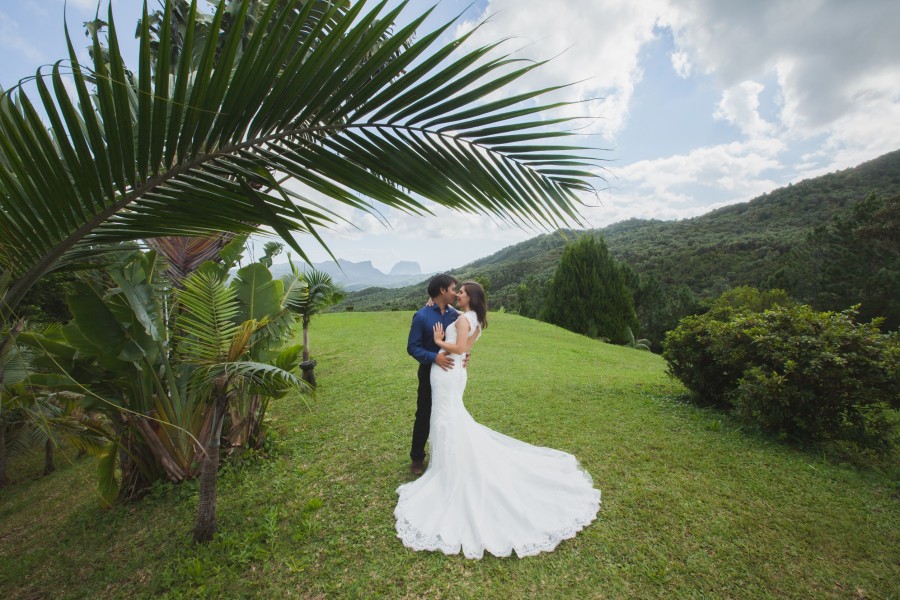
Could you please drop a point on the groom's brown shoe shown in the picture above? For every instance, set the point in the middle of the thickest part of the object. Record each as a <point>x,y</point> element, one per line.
<point>417,467</point>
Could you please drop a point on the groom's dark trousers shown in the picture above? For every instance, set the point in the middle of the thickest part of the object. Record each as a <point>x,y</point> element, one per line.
<point>423,414</point>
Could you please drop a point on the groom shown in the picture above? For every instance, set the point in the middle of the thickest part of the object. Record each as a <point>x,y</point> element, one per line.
<point>421,346</point>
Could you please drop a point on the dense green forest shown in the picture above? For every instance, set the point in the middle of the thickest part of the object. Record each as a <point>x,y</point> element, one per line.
<point>775,240</point>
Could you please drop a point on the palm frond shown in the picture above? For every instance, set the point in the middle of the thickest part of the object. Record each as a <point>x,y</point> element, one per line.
<point>184,254</point>
<point>318,292</point>
<point>207,322</point>
<point>240,341</point>
<point>322,94</point>
<point>267,379</point>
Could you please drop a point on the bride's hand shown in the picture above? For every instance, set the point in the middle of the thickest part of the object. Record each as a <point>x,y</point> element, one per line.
<point>438,332</point>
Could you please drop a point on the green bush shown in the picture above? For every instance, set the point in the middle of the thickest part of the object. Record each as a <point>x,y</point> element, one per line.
<point>794,371</point>
<point>817,375</point>
<point>707,355</point>
<point>696,354</point>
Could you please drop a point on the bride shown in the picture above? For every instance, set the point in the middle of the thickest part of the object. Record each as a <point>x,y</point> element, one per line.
<point>484,490</point>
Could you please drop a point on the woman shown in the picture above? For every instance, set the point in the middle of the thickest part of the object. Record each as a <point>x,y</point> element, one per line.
<point>484,490</point>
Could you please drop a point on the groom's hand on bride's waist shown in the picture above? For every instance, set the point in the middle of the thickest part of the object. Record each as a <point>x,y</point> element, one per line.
<point>444,361</point>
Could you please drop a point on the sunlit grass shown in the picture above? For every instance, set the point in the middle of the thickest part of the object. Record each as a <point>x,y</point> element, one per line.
<point>693,507</point>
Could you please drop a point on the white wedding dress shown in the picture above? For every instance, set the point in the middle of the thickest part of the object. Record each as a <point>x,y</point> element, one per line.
<point>487,491</point>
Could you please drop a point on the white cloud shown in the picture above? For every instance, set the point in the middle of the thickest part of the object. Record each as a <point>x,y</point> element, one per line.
<point>92,5</point>
<point>740,107</point>
<point>682,64</point>
<point>594,43</point>
<point>691,184</point>
<point>836,62</point>
<point>832,68</point>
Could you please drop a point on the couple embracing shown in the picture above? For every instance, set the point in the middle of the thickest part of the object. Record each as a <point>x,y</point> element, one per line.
<point>482,490</point>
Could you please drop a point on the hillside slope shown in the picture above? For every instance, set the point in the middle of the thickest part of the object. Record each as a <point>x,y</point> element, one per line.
<point>740,244</point>
<point>694,506</point>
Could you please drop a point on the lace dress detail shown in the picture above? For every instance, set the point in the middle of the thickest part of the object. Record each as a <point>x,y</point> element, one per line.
<point>485,491</point>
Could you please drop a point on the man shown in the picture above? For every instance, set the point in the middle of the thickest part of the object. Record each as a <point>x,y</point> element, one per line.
<point>421,346</point>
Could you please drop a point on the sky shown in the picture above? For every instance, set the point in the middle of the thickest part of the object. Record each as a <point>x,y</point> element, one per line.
<point>696,104</point>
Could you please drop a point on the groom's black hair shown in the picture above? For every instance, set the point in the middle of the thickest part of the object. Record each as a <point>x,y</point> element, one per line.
<point>438,283</point>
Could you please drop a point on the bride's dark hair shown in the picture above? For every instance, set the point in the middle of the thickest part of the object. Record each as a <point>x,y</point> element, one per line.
<point>477,301</point>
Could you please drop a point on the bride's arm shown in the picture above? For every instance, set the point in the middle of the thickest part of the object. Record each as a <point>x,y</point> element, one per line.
<point>462,333</point>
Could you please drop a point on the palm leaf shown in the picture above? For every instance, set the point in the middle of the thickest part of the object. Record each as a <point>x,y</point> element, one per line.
<point>263,377</point>
<point>207,321</point>
<point>185,254</point>
<point>320,93</point>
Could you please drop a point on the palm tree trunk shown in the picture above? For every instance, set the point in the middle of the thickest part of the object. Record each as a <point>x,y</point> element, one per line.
<point>305,339</point>
<point>10,338</point>
<point>205,526</point>
<point>4,475</point>
<point>307,366</point>
<point>49,467</point>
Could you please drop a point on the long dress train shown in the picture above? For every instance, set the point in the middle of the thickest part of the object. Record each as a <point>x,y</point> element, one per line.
<point>487,491</point>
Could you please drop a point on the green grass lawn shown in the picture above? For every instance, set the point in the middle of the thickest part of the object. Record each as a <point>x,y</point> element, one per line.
<point>693,507</point>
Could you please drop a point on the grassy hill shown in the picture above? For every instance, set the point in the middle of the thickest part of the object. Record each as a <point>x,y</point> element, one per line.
<point>693,507</point>
<point>740,244</point>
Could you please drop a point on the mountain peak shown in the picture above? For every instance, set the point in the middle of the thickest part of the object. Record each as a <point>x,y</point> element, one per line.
<point>406,267</point>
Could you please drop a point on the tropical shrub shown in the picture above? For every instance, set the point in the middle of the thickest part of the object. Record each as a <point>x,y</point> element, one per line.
<point>696,354</point>
<point>696,348</point>
<point>816,375</point>
<point>743,299</point>
<point>33,415</point>
<point>794,371</point>
<point>217,344</point>
<point>126,352</point>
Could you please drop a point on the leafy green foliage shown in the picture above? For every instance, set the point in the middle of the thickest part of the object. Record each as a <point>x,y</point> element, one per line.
<point>588,294</point>
<point>145,359</point>
<point>853,259</point>
<point>691,352</point>
<point>46,303</point>
<point>794,371</point>
<point>746,299</point>
<point>316,292</point>
<point>679,264</point>
<point>208,320</point>
<point>32,415</point>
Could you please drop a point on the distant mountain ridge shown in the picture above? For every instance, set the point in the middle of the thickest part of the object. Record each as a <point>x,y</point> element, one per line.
<point>740,244</point>
<point>360,275</point>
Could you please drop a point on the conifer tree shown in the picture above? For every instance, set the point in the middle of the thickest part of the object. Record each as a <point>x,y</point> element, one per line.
<point>588,294</point>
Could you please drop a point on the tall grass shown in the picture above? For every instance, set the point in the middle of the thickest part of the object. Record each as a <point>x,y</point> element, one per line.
<point>693,507</point>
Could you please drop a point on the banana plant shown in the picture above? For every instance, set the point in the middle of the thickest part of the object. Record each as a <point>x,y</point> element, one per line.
<point>32,414</point>
<point>324,94</point>
<point>116,351</point>
<point>121,352</point>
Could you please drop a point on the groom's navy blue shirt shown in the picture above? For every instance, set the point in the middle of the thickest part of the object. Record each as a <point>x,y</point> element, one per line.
<point>421,344</point>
